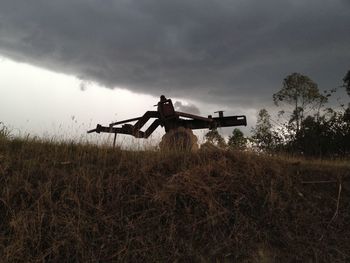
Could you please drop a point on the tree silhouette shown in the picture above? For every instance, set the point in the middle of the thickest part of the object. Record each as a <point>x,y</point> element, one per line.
<point>263,136</point>
<point>346,81</point>
<point>213,137</point>
<point>237,140</point>
<point>302,94</point>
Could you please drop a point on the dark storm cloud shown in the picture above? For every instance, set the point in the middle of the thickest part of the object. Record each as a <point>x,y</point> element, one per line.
<point>216,51</point>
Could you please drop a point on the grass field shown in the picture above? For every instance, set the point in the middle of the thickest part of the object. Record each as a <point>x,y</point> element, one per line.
<point>68,202</point>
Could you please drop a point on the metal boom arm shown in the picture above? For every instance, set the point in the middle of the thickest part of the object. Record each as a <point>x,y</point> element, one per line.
<point>167,117</point>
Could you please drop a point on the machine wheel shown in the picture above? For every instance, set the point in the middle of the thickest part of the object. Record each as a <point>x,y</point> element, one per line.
<point>180,139</point>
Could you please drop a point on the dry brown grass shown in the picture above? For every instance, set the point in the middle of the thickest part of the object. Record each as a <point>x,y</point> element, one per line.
<point>62,202</point>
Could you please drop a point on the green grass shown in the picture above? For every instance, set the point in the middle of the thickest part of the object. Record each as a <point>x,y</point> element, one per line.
<point>69,202</point>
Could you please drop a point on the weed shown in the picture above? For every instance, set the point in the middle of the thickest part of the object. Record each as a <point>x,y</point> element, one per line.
<point>66,201</point>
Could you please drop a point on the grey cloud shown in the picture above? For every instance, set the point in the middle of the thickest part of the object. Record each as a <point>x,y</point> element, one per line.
<point>188,108</point>
<point>215,51</point>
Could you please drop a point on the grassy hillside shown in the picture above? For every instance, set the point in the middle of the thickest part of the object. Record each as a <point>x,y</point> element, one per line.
<point>66,202</point>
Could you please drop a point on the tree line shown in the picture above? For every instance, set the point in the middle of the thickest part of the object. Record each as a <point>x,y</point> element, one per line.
<point>305,124</point>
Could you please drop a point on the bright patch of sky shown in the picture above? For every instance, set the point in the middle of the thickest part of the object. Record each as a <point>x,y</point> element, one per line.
<point>39,102</point>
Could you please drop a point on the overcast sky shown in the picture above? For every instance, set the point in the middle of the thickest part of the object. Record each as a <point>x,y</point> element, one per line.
<point>214,54</point>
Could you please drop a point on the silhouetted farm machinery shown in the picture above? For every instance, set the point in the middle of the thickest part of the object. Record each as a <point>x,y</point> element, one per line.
<point>178,125</point>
